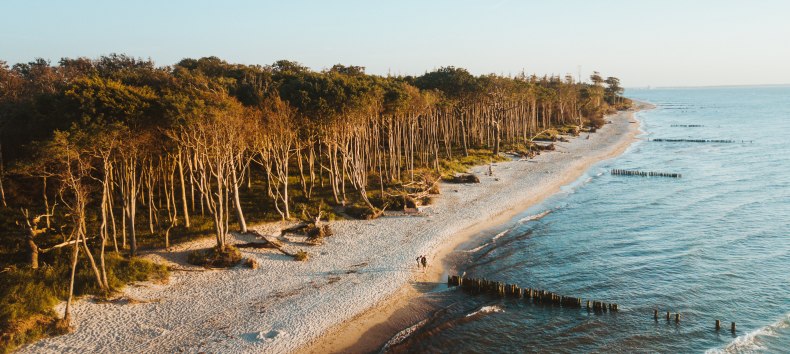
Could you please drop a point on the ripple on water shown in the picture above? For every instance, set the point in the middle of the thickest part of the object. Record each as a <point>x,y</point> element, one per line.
<point>710,245</point>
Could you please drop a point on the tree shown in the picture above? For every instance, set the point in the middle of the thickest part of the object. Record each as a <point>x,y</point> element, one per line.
<point>613,90</point>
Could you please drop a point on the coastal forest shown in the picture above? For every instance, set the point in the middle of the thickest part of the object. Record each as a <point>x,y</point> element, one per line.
<point>103,160</point>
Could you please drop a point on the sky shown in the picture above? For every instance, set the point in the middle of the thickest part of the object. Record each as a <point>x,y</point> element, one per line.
<point>644,43</point>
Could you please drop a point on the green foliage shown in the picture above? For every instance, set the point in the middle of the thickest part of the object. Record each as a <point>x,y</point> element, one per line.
<point>461,164</point>
<point>27,295</point>
<point>454,82</point>
<point>547,135</point>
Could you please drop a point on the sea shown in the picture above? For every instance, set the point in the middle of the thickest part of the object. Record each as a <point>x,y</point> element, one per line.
<point>711,245</point>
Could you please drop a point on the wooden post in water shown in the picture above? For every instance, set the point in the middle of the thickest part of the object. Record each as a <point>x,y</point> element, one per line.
<point>667,315</point>
<point>655,315</point>
<point>718,325</point>
<point>732,327</point>
<point>677,317</point>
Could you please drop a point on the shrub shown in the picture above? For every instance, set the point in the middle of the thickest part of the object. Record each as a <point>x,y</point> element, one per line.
<point>251,263</point>
<point>301,256</point>
<point>26,303</point>
<point>27,295</point>
<point>216,257</point>
<point>359,211</point>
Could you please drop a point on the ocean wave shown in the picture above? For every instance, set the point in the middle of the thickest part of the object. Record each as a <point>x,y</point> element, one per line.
<point>486,309</point>
<point>534,217</point>
<point>499,235</point>
<point>754,340</point>
<point>473,250</point>
<point>402,335</point>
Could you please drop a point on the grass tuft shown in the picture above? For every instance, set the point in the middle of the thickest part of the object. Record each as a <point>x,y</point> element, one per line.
<point>301,256</point>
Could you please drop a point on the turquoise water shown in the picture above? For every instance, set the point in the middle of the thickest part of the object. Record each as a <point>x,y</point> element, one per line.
<point>714,244</point>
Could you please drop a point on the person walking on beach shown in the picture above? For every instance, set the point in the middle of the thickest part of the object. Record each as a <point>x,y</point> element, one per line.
<point>419,259</point>
<point>424,262</point>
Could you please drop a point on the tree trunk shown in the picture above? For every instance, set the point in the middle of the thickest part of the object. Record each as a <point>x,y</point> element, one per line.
<point>46,202</point>
<point>496,138</point>
<point>2,176</point>
<point>74,256</point>
<point>103,228</point>
<point>33,252</point>
<point>183,189</point>
<point>237,202</point>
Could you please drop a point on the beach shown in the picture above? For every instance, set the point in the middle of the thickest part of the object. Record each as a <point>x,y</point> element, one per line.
<point>355,281</point>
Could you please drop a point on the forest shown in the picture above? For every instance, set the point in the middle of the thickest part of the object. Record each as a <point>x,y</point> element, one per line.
<point>103,160</point>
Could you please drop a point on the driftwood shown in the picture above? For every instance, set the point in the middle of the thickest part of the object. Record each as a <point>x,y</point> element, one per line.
<point>549,147</point>
<point>294,229</point>
<point>204,269</point>
<point>318,231</point>
<point>464,178</point>
<point>276,244</point>
<point>63,244</point>
<point>256,245</point>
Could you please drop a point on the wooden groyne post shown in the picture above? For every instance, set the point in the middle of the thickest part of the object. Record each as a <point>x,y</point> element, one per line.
<point>621,172</point>
<point>700,141</point>
<point>478,286</point>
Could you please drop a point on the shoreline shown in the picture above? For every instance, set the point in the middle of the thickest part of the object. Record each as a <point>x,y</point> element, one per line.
<point>355,334</point>
<point>350,287</point>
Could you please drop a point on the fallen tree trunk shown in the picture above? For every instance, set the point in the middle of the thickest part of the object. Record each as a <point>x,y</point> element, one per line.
<point>256,245</point>
<point>275,244</point>
<point>464,178</point>
<point>64,244</point>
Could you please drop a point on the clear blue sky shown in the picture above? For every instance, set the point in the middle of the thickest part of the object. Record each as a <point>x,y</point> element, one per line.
<point>651,42</point>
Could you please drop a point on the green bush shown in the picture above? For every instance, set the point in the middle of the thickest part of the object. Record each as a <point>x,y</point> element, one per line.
<point>548,135</point>
<point>27,295</point>
<point>216,257</point>
<point>461,164</point>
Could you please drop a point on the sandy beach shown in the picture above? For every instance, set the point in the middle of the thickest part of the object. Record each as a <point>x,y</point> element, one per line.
<point>352,283</point>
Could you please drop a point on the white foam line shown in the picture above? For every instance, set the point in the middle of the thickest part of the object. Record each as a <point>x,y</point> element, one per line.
<point>534,217</point>
<point>402,335</point>
<point>499,235</point>
<point>473,250</point>
<point>752,341</point>
<point>487,309</point>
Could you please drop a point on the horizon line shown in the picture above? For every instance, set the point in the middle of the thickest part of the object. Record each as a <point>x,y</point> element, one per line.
<point>704,86</point>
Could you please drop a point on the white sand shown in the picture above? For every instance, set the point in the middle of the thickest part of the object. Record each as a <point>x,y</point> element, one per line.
<point>285,305</point>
